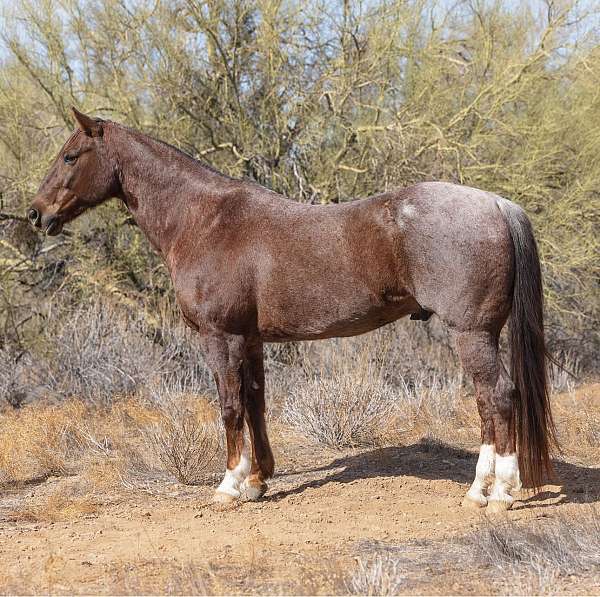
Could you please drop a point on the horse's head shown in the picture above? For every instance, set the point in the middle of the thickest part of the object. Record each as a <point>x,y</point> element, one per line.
<point>83,175</point>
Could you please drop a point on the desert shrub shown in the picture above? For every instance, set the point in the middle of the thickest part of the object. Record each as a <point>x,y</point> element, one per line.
<point>183,369</point>
<point>511,557</point>
<point>341,399</point>
<point>322,105</point>
<point>362,391</point>
<point>417,351</point>
<point>564,372</point>
<point>567,543</point>
<point>341,411</point>
<point>378,574</point>
<point>15,376</point>
<point>99,351</point>
<point>186,441</point>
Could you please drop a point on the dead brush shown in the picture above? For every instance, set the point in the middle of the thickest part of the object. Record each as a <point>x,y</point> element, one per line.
<point>352,393</point>
<point>40,441</point>
<point>59,506</point>
<point>378,574</point>
<point>185,441</point>
<point>577,415</point>
<point>534,556</point>
<point>342,401</point>
<point>564,373</point>
<point>99,352</point>
<point>432,404</point>
<point>339,412</point>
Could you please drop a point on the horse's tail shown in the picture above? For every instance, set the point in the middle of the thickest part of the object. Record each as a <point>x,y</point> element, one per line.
<point>535,431</point>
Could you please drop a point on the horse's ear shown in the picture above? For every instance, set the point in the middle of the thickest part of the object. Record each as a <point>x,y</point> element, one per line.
<point>92,127</point>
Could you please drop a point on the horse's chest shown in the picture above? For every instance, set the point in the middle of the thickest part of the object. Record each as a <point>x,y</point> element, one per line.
<point>212,301</point>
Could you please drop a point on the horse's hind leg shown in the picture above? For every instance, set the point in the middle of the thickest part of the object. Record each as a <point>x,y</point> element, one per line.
<point>262,465</point>
<point>507,477</point>
<point>497,465</point>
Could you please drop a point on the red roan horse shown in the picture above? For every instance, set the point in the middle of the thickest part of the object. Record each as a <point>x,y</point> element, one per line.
<point>250,266</point>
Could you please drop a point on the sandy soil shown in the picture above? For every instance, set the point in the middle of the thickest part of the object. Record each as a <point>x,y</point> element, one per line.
<point>323,511</point>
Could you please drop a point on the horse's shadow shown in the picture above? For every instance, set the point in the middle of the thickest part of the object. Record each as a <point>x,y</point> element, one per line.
<point>433,460</point>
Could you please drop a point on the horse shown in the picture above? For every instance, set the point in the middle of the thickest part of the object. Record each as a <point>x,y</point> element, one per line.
<point>250,267</point>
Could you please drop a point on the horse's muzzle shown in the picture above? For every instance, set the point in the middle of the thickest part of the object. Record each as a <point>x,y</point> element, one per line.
<point>34,217</point>
<point>50,224</point>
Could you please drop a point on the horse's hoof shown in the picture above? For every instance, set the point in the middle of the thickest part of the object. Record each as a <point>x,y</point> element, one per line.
<point>495,506</point>
<point>254,491</point>
<point>474,503</point>
<point>224,498</point>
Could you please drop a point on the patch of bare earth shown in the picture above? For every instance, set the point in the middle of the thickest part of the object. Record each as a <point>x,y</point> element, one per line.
<point>102,516</point>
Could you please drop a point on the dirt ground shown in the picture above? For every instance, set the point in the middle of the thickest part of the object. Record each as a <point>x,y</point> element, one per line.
<point>324,511</point>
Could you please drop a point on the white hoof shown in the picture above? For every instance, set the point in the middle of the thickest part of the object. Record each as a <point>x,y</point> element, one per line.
<point>229,489</point>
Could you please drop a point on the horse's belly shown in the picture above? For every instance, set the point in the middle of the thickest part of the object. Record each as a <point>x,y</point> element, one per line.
<point>317,322</point>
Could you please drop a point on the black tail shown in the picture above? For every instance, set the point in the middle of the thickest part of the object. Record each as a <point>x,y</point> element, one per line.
<point>536,434</point>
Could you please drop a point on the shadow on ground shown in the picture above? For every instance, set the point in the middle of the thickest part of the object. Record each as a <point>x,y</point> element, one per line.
<point>434,460</point>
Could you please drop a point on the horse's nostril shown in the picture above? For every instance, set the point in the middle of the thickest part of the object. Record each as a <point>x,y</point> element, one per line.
<point>33,215</point>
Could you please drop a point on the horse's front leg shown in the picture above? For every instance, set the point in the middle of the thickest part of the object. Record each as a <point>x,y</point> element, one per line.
<point>225,356</point>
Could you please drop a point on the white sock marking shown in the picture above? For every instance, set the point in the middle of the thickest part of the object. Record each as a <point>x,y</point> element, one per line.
<point>234,478</point>
<point>484,473</point>
<point>507,478</point>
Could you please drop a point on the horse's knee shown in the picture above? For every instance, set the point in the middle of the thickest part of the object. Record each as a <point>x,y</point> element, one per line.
<point>232,414</point>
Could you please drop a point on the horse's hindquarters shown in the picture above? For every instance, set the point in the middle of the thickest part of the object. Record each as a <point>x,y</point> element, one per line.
<point>459,255</point>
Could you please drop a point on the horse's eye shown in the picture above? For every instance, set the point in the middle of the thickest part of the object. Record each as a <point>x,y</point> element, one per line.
<point>70,158</point>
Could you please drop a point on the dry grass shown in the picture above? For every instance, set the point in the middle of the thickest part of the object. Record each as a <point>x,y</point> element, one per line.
<point>379,574</point>
<point>153,577</point>
<point>533,557</point>
<point>101,352</point>
<point>40,441</point>
<point>128,440</point>
<point>110,451</point>
<point>59,506</point>
<point>508,557</point>
<point>577,414</point>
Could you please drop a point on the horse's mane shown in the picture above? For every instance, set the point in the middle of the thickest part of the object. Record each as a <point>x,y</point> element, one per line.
<point>201,164</point>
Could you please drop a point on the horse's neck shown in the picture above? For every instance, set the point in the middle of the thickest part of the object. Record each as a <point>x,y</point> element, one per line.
<point>158,185</point>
